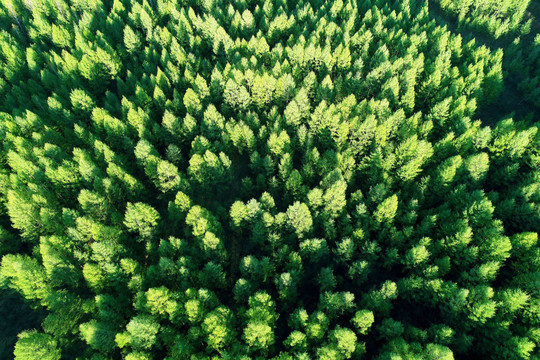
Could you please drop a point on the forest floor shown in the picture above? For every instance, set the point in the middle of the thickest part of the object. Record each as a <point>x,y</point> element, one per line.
<point>15,316</point>
<point>510,101</point>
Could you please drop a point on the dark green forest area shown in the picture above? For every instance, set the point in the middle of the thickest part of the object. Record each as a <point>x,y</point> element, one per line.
<point>277,179</point>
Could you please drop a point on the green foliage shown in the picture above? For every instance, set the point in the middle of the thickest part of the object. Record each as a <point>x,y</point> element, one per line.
<point>299,218</point>
<point>268,180</point>
<point>34,346</point>
<point>141,333</point>
<point>261,318</point>
<point>132,40</point>
<point>496,18</point>
<point>99,335</point>
<point>218,328</point>
<point>344,340</point>
<point>141,218</point>
<point>386,210</point>
<point>363,320</point>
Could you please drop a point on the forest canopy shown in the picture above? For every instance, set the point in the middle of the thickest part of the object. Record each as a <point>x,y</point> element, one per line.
<point>239,179</point>
<point>494,17</point>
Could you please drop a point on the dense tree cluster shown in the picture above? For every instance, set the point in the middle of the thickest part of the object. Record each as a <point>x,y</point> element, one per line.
<point>494,17</point>
<point>236,179</point>
<point>524,64</point>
